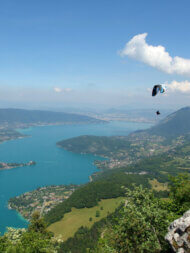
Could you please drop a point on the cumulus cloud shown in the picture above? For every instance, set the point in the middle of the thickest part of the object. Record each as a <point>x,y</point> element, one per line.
<point>183,86</point>
<point>60,90</point>
<point>155,56</point>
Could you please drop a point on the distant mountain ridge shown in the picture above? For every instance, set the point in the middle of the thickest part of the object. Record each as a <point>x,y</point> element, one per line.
<point>13,116</point>
<point>175,124</point>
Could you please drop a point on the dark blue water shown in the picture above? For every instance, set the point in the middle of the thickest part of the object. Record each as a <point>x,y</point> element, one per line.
<point>54,165</point>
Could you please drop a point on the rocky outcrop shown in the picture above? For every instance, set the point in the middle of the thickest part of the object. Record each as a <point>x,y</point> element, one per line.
<point>179,234</point>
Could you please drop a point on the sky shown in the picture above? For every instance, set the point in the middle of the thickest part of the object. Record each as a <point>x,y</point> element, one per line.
<point>99,54</point>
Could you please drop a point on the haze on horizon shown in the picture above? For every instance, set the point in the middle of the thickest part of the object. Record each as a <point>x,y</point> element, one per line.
<point>58,54</point>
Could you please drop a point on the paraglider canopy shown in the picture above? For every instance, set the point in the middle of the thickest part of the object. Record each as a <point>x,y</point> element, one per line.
<point>158,88</point>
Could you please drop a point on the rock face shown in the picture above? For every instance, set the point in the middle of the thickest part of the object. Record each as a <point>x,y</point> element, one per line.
<point>179,234</point>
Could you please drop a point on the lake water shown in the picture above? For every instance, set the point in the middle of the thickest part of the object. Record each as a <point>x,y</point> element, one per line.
<point>54,165</point>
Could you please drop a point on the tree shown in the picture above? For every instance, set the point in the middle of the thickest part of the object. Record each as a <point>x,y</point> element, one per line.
<point>37,237</point>
<point>180,193</point>
<point>141,225</point>
<point>37,223</point>
<point>34,240</point>
<point>4,243</point>
<point>97,213</point>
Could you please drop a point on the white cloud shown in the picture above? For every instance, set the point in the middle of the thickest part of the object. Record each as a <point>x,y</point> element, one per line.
<point>183,86</point>
<point>65,90</point>
<point>155,56</point>
<point>58,90</point>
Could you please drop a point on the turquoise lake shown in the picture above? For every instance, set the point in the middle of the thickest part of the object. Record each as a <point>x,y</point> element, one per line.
<point>54,165</point>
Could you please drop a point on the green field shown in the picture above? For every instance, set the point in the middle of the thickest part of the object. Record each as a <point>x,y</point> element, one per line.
<point>157,186</point>
<point>73,220</point>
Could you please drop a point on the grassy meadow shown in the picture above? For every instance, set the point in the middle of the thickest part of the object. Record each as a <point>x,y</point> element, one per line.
<point>73,220</point>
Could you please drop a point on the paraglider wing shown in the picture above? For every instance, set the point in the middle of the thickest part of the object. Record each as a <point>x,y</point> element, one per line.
<point>156,89</point>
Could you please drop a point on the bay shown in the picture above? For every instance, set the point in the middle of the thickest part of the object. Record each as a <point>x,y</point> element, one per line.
<point>54,165</point>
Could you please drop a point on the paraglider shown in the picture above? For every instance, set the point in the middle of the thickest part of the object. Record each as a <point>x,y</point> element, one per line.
<point>156,89</point>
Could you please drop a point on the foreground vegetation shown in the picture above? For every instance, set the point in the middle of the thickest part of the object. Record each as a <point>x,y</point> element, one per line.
<point>138,226</point>
<point>33,240</point>
<point>141,226</point>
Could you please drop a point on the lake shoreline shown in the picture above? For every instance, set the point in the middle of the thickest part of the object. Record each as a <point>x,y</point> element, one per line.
<point>65,167</point>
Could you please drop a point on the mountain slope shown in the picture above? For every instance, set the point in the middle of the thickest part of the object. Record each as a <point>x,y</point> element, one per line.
<point>13,116</point>
<point>176,124</point>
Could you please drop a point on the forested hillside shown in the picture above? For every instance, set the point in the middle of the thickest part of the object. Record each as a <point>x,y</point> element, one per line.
<point>99,145</point>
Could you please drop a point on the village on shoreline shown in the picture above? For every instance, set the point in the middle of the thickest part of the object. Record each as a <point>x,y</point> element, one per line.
<point>43,199</point>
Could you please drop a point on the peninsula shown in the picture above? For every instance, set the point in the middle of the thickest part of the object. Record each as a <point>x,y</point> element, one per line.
<point>42,199</point>
<point>8,166</point>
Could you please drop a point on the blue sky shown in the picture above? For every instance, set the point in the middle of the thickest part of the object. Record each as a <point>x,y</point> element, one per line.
<point>66,52</point>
